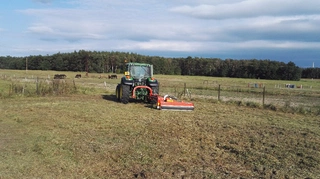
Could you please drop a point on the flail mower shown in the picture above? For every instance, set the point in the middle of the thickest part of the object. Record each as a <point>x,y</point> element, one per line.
<point>139,84</point>
<point>172,103</point>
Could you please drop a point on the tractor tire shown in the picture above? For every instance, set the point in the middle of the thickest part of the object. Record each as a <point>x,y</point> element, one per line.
<point>125,96</point>
<point>118,92</point>
<point>155,90</point>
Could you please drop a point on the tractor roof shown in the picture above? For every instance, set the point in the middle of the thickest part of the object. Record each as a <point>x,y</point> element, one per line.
<point>138,64</point>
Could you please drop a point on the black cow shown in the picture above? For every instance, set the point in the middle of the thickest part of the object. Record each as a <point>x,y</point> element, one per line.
<point>59,76</point>
<point>112,76</point>
<point>78,76</point>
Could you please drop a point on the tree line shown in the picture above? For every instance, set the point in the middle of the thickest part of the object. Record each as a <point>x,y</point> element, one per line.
<point>114,62</point>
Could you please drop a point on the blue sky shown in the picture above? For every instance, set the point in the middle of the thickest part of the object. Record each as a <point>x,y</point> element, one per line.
<point>286,30</point>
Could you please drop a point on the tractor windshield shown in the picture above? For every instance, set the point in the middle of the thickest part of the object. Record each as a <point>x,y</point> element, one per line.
<point>137,71</point>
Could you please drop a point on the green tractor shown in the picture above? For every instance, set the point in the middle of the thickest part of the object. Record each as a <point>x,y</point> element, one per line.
<point>138,83</point>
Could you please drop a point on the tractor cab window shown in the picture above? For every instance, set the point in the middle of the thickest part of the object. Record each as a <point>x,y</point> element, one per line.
<point>140,71</point>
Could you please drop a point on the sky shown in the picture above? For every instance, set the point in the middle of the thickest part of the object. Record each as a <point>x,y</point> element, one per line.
<point>286,30</point>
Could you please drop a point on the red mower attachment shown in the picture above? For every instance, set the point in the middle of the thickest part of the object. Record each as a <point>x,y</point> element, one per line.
<point>171,103</point>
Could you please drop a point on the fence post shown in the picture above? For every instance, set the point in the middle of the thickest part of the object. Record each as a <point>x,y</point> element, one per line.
<point>263,95</point>
<point>185,87</point>
<point>219,92</point>
<point>37,85</point>
<point>75,87</point>
<point>23,88</point>
<point>10,88</point>
<point>175,91</point>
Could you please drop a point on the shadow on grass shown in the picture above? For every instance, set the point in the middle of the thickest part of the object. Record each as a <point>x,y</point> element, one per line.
<point>113,98</point>
<point>110,97</point>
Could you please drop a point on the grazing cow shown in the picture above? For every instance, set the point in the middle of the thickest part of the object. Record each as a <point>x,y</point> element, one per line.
<point>112,76</point>
<point>59,76</point>
<point>78,76</point>
<point>102,76</point>
<point>290,86</point>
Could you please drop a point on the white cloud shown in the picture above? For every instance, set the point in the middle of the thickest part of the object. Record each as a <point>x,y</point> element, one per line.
<point>161,45</point>
<point>249,8</point>
<point>41,29</point>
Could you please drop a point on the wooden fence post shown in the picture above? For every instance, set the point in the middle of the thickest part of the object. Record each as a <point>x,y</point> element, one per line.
<point>37,85</point>
<point>219,93</point>
<point>175,91</point>
<point>184,91</point>
<point>263,95</point>
<point>75,87</point>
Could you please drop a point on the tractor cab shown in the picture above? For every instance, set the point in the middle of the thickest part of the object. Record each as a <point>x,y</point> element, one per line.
<point>140,74</point>
<point>140,71</point>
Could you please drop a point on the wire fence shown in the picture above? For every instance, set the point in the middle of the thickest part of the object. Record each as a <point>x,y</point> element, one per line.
<point>287,96</point>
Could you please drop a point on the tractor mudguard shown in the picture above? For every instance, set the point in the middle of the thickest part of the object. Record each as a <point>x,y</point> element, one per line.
<point>126,81</point>
<point>152,83</point>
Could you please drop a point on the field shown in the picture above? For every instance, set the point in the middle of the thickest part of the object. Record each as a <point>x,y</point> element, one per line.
<point>89,135</point>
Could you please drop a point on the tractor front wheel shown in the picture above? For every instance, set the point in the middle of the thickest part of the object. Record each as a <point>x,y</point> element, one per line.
<point>155,90</point>
<point>125,89</point>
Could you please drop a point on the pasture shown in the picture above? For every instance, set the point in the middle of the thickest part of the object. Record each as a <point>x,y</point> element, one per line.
<point>87,134</point>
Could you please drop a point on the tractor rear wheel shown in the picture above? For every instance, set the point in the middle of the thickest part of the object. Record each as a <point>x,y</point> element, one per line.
<point>125,93</point>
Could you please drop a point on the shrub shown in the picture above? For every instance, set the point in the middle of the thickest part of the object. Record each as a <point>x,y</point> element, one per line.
<point>252,104</point>
<point>271,106</point>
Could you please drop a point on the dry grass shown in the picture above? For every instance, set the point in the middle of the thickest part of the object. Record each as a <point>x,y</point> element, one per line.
<point>92,136</point>
<point>87,134</point>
